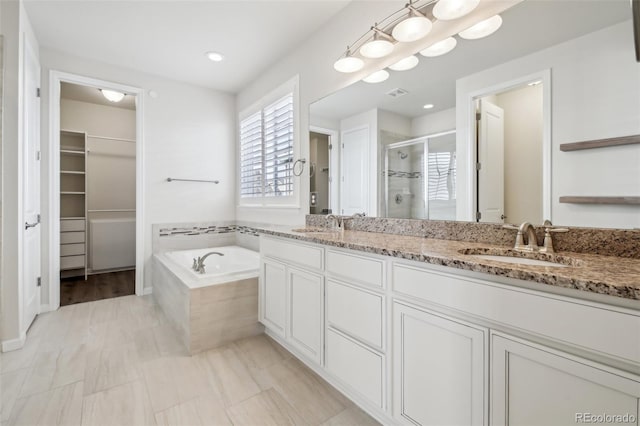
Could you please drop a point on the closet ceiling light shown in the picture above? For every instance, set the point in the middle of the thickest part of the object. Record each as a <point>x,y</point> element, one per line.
<point>446,10</point>
<point>405,64</point>
<point>440,48</point>
<point>348,64</point>
<point>377,77</point>
<point>428,106</point>
<point>112,95</point>
<point>482,28</point>
<point>215,56</point>
<point>415,27</point>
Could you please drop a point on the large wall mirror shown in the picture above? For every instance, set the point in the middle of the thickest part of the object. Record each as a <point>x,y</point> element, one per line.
<point>476,134</point>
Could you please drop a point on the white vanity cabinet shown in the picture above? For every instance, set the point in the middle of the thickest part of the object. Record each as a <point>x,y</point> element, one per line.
<point>306,295</point>
<point>534,384</point>
<point>439,369</point>
<point>273,296</point>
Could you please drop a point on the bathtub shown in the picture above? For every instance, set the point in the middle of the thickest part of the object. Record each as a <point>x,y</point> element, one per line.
<point>214,308</point>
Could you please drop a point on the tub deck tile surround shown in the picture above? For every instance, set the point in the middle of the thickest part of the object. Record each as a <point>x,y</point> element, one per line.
<point>248,382</point>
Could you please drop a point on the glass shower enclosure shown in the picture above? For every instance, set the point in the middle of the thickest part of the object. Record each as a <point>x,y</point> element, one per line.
<point>420,177</point>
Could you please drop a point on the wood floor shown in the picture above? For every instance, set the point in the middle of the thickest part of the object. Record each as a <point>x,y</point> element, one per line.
<point>97,287</point>
<point>119,362</point>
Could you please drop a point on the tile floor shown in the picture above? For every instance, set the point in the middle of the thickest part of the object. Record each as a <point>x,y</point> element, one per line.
<point>118,362</point>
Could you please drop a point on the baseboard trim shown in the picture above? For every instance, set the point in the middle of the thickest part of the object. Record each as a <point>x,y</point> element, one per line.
<point>45,308</point>
<point>374,412</point>
<point>14,344</point>
<point>147,291</point>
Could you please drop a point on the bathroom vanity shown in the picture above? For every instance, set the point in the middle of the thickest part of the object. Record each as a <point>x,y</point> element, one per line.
<point>417,332</point>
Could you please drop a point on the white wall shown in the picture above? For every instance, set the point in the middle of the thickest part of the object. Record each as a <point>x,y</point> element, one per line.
<point>435,122</point>
<point>16,30</point>
<point>595,94</point>
<point>98,120</point>
<point>189,132</point>
<point>523,125</point>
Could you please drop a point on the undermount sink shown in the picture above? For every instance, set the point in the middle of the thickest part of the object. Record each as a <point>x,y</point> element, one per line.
<point>521,258</point>
<point>316,230</point>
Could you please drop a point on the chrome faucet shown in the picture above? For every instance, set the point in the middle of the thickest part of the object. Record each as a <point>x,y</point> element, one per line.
<point>339,221</point>
<point>547,245</point>
<point>198,265</point>
<point>528,230</point>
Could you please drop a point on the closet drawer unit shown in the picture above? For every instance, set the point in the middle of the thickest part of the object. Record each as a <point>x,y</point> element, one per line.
<point>67,225</point>
<point>72,249</point>
<point>71,262</point>
<point>355,312</point>
<point>356,268</point>
<point>71,237</point>
<point>355,365</point>
<point>295,253</point>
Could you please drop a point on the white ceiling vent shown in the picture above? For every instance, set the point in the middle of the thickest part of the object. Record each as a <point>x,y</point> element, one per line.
<point>397,92</point>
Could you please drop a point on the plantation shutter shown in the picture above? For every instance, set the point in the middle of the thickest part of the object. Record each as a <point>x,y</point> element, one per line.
<point>278,147</point>
<point>442,175</point>
<point>251,156</point>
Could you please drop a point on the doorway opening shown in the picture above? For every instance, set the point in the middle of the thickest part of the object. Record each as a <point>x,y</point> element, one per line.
<point>96,192</point>
<point>510,154</point>
<point>323,162</point>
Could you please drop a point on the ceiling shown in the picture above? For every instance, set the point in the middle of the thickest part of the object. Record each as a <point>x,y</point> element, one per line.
<point>527,27</point>
<point>170,38</point>
<point>93,95</point>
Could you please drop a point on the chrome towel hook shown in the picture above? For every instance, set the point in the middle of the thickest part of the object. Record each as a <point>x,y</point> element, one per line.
<point>302,161</point>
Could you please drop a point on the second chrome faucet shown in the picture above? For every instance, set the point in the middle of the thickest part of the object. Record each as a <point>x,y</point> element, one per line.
<point>527,239</point>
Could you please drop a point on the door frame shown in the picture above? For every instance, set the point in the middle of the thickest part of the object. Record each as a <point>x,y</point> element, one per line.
<point>469,141</point>
<point>55,79</point>
<point>334,161</point>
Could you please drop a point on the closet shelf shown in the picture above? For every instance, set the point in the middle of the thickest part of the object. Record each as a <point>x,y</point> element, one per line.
<point>600,143</point>
<point>71,217</point>
<point>71,152</point>
<point>71,193</point>
<point>630,200</point>
<point>71,172</point>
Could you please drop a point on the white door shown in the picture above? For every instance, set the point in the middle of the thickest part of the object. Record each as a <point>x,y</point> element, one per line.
<point>31,181</point>
<point>439,369</point>
<point>534,385</point>
<point>305,307</point>
<point>273,302</point>
<point>354,185</point>
<point>491,163</point>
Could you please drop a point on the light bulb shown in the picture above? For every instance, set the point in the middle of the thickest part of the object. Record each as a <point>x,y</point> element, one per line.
<point>413,28</point>
<point>446,10</point>
<point>348,64</point>
<point>428,106</point>
<point>440,48</point>
<point>405,64</point>
<point>377,77</point>
<point>376,48</point>
<point>482,28</point>
<point>112,95</point>
<point>215,56</point>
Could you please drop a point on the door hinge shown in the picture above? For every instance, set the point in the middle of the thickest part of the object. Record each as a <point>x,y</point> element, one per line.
<point>478,115</point>
<point>39,282</point>
<point>478,215</point>
<point>38,156</point>
<point>478,165</point>
<point>38,92</point>
<point>330,146</point>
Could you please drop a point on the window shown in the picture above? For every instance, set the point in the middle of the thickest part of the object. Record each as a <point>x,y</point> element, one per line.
<point>442,175</point>
<point>267,138</point>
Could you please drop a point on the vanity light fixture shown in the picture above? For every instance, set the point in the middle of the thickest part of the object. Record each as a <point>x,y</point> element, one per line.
<point>405,64</point>
<point>379,47</point>
<point>377,77</point>
<point>428,106</point>
<point>440,48</point>
<point>112,95</point>
<point>446,10</point>
<point>348,63</point>
<point>413,28</point>
<point>482,28</point>
<point>215,56</point>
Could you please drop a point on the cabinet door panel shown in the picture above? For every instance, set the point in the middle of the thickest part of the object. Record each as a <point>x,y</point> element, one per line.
<point>305,304</point>
<point>273,303</point>
<point>536,385</point>
<point>439,369</point>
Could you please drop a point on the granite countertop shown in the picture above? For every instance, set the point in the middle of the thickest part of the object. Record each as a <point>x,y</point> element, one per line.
<point>609,275</point>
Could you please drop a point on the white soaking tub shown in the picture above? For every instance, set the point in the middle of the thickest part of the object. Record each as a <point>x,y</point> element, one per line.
<point>213,308</point>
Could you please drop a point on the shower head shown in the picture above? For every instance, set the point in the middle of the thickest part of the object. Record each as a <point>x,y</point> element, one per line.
<point>402,155</point>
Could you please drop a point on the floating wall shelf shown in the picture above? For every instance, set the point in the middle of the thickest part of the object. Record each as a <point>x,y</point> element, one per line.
<point>600,200</point>
<point>600,143</point>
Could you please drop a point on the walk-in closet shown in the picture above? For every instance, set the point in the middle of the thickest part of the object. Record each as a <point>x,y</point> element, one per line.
<point>97,194</point>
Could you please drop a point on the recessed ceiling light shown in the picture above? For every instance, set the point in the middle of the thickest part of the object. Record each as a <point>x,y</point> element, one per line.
<point>428,106</point>
<point>215,56</point>
<point>482,28</point>
<point>376,77</point>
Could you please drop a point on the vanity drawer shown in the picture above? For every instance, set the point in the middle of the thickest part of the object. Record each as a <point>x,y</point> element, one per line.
<point>355,312</point>
<point>296,253</point>
<point>355,365</point>
<point>72,249</point>
<point>359,269</point>
<point>67,225</point>
<point>71,262</point>
<point>71,237</point>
